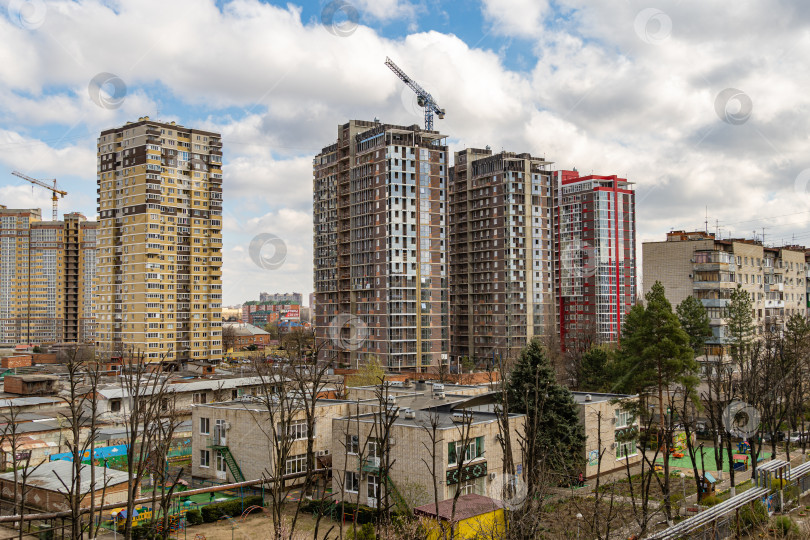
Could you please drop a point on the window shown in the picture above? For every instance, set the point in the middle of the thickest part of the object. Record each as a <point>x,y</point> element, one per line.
<point>352,483</point>
<point>115,405</point>
<point>296,430</point>
<point>474,486</point>
<point>205,426</point>
<point>626,449</point>
<point>352,444</point>
<point>623,418</point>
<point>198,397</point>
<point>474,450</point>
<point>205,458</point>
<point>296,464</point>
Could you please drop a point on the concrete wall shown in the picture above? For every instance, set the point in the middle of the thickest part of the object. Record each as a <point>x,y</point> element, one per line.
<point>248,437</point>
<point>589,414</point>
<point>411,458</point>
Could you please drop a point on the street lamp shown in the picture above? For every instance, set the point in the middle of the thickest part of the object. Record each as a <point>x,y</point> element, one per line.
<point>579,518</point>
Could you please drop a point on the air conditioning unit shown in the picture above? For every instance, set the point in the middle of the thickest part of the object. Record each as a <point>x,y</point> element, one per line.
<point>227,426</point>
<point>439,395</point>
<point>410,413</point>
<point>391,441</point>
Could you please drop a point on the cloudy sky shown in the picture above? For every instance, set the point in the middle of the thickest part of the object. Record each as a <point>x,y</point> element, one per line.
<point>701,104</point>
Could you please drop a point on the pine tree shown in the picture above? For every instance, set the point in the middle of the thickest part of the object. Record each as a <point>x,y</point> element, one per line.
<point>695,322</point>
<point>594,370</point>
<point>551,412</point>
<point>740,325</point>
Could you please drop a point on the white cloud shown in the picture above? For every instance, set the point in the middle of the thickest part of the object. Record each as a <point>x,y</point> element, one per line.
<point>597,97</point>
<point>519,18</point>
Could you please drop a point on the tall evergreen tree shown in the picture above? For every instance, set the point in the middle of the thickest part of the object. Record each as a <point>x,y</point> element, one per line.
<point>740,326</point>
<point>552,416</point>
<point>594,370</point>
<point>655,355</point>
<point>695,322</point>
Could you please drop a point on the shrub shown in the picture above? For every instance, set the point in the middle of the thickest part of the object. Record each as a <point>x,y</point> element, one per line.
<point>194,517</point>
<point>234,508</point>
<point>785,526</point>
<point>753,515</point>
<point>365,532</point>
<point>709,500</point>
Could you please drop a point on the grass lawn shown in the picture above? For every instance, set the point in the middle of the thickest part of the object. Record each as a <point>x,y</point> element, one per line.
<point>711,465</point>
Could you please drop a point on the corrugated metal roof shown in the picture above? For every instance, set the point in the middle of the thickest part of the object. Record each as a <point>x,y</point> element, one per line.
<point>197,386</point>
<point>48,474</point>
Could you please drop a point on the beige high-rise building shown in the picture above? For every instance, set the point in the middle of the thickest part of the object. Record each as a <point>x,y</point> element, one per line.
<point>160,241</point>
<point>47,278</point>
<point>697,264</point>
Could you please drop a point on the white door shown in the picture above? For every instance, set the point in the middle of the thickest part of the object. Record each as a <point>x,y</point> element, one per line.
<point>222,467</point>
<point>219,433</point>
<point>373,490</point>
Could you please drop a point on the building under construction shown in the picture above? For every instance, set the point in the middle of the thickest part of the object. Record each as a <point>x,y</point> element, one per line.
<point>501,286</point>
<point>380,244</point>
<point>47,278</point>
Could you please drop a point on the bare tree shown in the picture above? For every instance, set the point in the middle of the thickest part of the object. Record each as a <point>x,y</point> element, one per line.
<point>11,439</point>
<point>430,422</point>
<point>79,395</point>
<point>147,393</point>
<point>283,405</point>
<point>228,337</point>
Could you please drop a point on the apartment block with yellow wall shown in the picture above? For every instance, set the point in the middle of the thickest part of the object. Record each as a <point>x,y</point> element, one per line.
<point>47,278</point>
<point>160,241</point>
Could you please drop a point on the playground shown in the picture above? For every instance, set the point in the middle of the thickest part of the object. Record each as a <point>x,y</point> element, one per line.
<point>742,460</point>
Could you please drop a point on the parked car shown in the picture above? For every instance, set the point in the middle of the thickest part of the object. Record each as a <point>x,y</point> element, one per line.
<point>797,437</point>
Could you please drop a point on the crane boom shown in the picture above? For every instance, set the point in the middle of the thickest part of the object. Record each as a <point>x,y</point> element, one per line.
<point>423,96</point>
<point>42,183</point>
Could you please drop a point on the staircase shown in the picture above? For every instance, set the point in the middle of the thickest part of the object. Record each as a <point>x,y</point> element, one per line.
<point>236,472</point>
<point>399,500</point>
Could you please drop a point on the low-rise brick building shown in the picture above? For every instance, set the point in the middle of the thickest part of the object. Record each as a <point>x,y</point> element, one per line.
<point>467,456</point>
<point>603,413</point>
<point>45,491</point>
<point>231,440</point>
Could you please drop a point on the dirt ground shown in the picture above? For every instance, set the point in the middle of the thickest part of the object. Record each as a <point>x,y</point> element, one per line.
<point>260,525</point>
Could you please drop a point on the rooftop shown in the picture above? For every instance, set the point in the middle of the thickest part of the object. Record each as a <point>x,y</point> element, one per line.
<point>467,506</point>
<point>596,397</point>
<point>48,475</point>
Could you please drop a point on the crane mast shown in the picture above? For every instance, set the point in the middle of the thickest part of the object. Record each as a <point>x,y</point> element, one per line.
<point>423,97</point>
<point>42,183</point>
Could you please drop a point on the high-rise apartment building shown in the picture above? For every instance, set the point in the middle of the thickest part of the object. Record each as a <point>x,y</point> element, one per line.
<point>501,265</point>
<point>697,264</point>
<point>47,278</point>
<point>595,251</point>
<point>380,197</point>
<point>160,241</point>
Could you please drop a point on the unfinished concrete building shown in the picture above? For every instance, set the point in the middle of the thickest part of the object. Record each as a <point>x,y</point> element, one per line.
<point>379,246</point>
<point>501,285</point>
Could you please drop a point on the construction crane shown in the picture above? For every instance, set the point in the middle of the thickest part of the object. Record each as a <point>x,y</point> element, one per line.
<point>46,186</point>
<point>423,97</point>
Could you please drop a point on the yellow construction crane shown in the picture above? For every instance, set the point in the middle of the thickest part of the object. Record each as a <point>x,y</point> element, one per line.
<point>46,186</point>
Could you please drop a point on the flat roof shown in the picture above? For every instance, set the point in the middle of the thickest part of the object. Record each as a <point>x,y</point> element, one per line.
<point>47,476</point>
<point>597,397</point>
<point>444,415</point>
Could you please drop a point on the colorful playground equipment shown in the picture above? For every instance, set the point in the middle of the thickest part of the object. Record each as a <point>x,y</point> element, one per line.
<point>741,462</point>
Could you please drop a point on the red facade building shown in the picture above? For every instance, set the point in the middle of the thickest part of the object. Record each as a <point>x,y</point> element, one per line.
<point>595,248</point>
